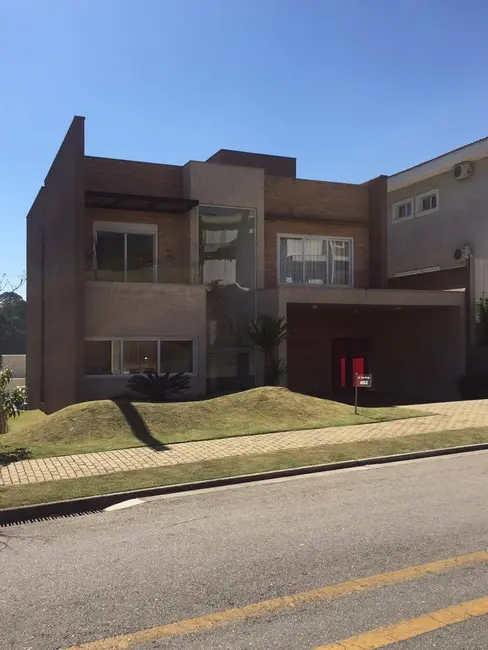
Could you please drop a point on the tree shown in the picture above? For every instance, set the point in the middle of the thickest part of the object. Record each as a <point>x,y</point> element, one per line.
<point>13,316</point>
<point>266,333</point>
<point>12,400</point>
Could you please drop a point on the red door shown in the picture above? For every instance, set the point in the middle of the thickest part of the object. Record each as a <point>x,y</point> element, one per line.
<point>349,357</point>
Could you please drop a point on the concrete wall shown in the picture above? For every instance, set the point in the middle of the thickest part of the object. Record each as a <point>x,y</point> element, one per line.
<point>430,240</point>
<point>118,310</point>
<point>55,272</point>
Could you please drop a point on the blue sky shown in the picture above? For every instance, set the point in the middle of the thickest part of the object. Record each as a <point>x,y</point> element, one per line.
<point>352,88</point>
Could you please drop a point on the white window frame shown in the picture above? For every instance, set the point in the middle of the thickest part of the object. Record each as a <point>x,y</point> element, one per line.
<point>128,229</point>
<point>420,197</point>
<point>158,340</point>
<point>397,205</point>
<point>281,236</point>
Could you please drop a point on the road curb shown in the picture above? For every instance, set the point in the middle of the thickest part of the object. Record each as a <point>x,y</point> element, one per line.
<point>99,502</point>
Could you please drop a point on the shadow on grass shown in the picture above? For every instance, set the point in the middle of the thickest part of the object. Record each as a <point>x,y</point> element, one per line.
<point>137,424</point>
<point>8,456</point>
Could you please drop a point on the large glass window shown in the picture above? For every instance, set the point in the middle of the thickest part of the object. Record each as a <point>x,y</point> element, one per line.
<point>176,356</point>
<point>315,260</point>
<point>227,268</point>
<point>130,357</point>
<point>139,356</point>
<point>125,256</point>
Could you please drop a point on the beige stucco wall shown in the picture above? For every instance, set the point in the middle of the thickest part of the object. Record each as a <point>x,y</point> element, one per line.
<point>430,240</point>
<point>118,309</point>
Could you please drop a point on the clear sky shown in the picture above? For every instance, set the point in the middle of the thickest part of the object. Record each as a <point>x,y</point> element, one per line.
<point>352,88</point>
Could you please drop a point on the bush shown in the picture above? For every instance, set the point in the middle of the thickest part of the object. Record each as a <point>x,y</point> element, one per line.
<point>12,401</point>
<point>473,386</point>
<point>159,388</point>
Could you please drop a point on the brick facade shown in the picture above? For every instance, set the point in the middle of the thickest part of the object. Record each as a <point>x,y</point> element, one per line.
<point>127,176</point>
<point>303,198</point>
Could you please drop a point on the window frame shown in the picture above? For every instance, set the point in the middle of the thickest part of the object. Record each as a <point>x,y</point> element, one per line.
<point>321,238</point>
<point>129,228</point>
<point>158,339</point>
<point>398,204</point>
<point>418,203</point>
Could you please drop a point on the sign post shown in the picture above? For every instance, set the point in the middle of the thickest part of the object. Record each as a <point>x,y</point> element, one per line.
<point>360,381</point>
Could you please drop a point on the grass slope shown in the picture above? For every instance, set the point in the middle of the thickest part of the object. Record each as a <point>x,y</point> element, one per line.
<point>18,495</point>
<point>101,425</point>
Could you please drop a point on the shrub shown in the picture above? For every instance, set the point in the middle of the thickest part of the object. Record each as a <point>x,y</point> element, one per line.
<point>482,315</point>
<point>266,333</point>
<point>159,388</point>
<point>12,401</point>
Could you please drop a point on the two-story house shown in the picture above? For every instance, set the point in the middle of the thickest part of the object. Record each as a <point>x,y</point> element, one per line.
<point>438,226</point>
<point>136,266</point>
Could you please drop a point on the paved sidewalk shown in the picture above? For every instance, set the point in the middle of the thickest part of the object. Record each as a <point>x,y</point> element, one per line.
<point>439,417</point>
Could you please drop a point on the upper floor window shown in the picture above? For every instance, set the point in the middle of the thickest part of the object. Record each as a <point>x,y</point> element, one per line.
<point>125,252</point>
<point>403,210</point>
<point>427,202</point>
<point>315,260</point>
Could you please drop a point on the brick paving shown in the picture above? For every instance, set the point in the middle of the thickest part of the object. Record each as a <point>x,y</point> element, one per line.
<point>438,417</point>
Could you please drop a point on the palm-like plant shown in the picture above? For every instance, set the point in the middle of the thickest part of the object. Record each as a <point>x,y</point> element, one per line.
<point>159,388</point>
<point>266,333</point>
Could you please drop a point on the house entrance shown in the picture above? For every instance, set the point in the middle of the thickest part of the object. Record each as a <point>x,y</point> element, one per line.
<point>349,356</point>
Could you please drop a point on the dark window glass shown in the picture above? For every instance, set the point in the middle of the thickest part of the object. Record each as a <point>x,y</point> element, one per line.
<point>98,357</point>
<point>176,356</point>
<point>110,256</point>
<point>140,258</point>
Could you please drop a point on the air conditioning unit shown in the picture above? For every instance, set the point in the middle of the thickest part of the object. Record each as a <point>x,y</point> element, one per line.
<point>463,170</point>
<point>463,254</point>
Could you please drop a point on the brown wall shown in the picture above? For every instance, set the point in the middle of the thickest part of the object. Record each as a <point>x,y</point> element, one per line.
<point>277,165</point>
<point>274,226</point>
<point>129,177</point>
<point>415,354</point>
<point>55,301</point>
<point>35,301</point>
<point>304,198</point>
<point>173,239</point>
<point>377,193</point>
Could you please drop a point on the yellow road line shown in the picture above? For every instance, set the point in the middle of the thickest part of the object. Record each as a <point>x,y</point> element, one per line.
<point>384,636</point>
<point>277,605</point>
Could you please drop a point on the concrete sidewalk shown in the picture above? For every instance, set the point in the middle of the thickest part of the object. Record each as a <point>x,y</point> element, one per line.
<point>439,417</point>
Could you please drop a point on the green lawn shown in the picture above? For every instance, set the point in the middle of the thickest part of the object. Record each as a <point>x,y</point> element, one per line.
<point>14,496</point>
<point>102,426</point>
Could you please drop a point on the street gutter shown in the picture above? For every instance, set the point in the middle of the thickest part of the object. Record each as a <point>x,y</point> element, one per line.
<point>99,502</point>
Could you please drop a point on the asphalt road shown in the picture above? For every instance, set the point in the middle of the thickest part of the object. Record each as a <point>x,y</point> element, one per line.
<point>71,581</point>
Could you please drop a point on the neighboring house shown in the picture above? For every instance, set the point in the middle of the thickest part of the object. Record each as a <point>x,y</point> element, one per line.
<point>136,266</point>
<point>16,363</point>
<point>438,225</point>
